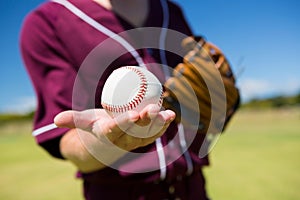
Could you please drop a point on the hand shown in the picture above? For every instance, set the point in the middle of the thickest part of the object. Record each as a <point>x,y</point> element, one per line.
<point>127,131</point>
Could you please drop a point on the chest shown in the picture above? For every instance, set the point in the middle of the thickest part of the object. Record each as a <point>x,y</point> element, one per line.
<point>80,39</point>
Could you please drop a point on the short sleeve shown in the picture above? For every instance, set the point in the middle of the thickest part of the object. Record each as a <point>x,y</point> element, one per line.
<point>50,71</point>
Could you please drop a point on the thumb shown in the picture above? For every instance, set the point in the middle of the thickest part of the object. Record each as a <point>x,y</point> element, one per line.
<point>75,119</point>
<point>65,119</point>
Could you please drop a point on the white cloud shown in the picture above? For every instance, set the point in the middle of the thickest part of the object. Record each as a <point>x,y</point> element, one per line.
<point>258,88</point>
<point>291,86</point>
<point>250,88</point>
<point>20,106</point>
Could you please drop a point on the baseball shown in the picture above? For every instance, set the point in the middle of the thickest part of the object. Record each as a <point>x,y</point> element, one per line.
<point>130,88</point>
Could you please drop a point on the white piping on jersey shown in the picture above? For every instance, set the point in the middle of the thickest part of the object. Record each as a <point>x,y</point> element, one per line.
<point>43,129</point>
<point>102,29</point>
<point>185,151</point>
<point>164,61</point>
<point>162,38</point>
<point>161,159</point>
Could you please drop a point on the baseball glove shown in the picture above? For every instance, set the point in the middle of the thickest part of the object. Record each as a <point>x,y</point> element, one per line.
<point>202,88</point>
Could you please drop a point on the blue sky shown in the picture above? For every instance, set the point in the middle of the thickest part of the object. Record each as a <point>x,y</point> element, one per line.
<point>261,39</point>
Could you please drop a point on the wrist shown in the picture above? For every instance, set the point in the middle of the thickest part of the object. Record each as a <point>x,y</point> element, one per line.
<point>73,150</point>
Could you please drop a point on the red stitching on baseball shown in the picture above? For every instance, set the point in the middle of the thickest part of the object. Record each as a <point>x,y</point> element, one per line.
<point>136,100</point>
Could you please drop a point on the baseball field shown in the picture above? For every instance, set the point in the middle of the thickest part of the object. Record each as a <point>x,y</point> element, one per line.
<point>258,157</point>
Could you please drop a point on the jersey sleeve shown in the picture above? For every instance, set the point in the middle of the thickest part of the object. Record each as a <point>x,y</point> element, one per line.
<point>51,73</point>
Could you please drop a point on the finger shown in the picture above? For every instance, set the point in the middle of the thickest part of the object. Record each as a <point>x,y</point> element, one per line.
<point>150,111</point>
<point>64,119</point>
<point>125,120</point>
<point>114,128</point>
<point>76,119</point>
<point>161,122</point>
<point>166,116</point>
<point>156,125</point>
<point>147,114</point>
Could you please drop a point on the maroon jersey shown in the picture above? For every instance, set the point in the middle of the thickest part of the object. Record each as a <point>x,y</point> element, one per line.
<point>55,45</point>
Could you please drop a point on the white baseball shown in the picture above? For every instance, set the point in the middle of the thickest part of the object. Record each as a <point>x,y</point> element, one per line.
<point>130,88</point>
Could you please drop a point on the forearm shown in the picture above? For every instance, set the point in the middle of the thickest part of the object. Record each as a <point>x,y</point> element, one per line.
<point>73,149</point>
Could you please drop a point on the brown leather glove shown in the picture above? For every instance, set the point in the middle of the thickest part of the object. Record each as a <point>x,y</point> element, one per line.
<point>202,89</point>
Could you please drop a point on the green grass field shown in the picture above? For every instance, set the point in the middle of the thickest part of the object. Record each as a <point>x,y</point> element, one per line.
<point>256,158</point>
